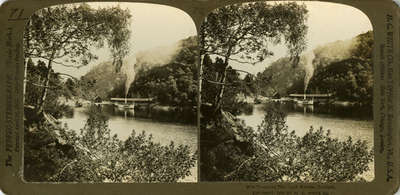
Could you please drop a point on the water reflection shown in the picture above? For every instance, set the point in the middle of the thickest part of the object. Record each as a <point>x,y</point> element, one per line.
<point>116,111</point>
<point>153,112</point>
<point>321,110</point>
<point>306,108</point>
<point>123,121</point>
<point>356,122</point>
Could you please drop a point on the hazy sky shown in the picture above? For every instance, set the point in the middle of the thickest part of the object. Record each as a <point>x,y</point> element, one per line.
<point>156,25</point>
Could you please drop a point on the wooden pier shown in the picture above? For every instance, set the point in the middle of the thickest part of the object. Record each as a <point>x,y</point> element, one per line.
<point>130,103</point>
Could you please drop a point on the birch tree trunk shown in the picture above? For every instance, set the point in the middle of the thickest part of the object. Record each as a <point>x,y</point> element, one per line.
<point>42,99</point>
<point>218,99</point>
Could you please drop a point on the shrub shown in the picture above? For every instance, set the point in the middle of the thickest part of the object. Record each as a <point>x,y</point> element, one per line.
<point>149,162</point>
<point>44,156</point>
<point>102,157</point>
<point>280,155</point>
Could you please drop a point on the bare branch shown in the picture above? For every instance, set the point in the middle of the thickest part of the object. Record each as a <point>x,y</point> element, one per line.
<point>29,106</point>
<point>237,70</point>
<point>68,65</point>
<point>31,55</point>
<point>44,86</point>
<point>218,83</point>
<point>62,170</point>
<point>239,167</point>
<point>65,74</point>
<point>243,62</point>
<point>55,62</point>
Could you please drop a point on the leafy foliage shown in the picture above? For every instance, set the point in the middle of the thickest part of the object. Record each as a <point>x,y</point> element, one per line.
<point>65,35</point>
<point>174,83</point>
<point>235,85</point>
<point>172,80</point>
<point>315,157</point>
<point>247,29</point>
<point>275,80</point>
<point>363,46</point>
<point>343,68</point>
<point>272,153</point>
<point>94,155</point>
<point>156,163</point>
<point>231,151</point>
<point>243,32</point>
<point>35,74</point>
<point>67,32</point>
<point>97,83</point>
<point>350,80</point>
<point>44,155</point>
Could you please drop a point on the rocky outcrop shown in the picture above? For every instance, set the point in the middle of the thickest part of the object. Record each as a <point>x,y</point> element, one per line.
<point>223,144</point>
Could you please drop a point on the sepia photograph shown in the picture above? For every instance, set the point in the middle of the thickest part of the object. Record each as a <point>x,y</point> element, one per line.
<point>286,93</point>
<point>199,97</point>
<point>110,94</point>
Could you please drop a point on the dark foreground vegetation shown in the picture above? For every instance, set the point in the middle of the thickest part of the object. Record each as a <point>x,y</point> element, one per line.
<point>232,151</point>
<point>58,154</point>
<point>61,36</point>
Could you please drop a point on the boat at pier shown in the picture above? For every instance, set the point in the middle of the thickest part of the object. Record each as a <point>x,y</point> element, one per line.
<point>129,103</point>
<point>305,102</point>
<point>125,106</point>
<point>312,99</point>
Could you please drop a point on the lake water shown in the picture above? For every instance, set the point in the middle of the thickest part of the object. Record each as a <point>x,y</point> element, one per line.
<point>342,122</point>
<point>121,123</point>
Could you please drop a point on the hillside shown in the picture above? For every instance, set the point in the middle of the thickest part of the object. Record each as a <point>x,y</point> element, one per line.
<point>107,82</point>
<point>350,79</point>
<point>162,55</point>
<point>280,77</point>
<point>275,79</point>
<point>100,76</point>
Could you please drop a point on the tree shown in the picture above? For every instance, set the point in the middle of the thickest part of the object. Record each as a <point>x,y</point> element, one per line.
<point>272,153</point>
<point>363,47</point>
<point>65,35</point>
<point>233,80</point>
<point>95,155</point>
<point>350,79</point>
<point>34,78</point>
<point>249,86</point>
<point>243,32</point>
<point>173,83</point>
<point>275,80</point>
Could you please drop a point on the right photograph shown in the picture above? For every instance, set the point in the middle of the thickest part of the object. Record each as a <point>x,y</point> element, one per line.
<point>286,93</point>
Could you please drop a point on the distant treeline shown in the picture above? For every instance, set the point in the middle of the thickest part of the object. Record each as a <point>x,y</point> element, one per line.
<point>343,68</point>
<point>171,84</point>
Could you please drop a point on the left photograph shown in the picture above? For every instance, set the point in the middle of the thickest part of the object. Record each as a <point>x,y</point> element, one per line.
<point>110,94</point>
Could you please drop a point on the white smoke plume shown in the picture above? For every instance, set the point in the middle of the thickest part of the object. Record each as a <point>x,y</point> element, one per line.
<point>147,59</point>
<point>335,51</point>
<point>129,70</point>
<point>157,56</point>
<point>309,69</point>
